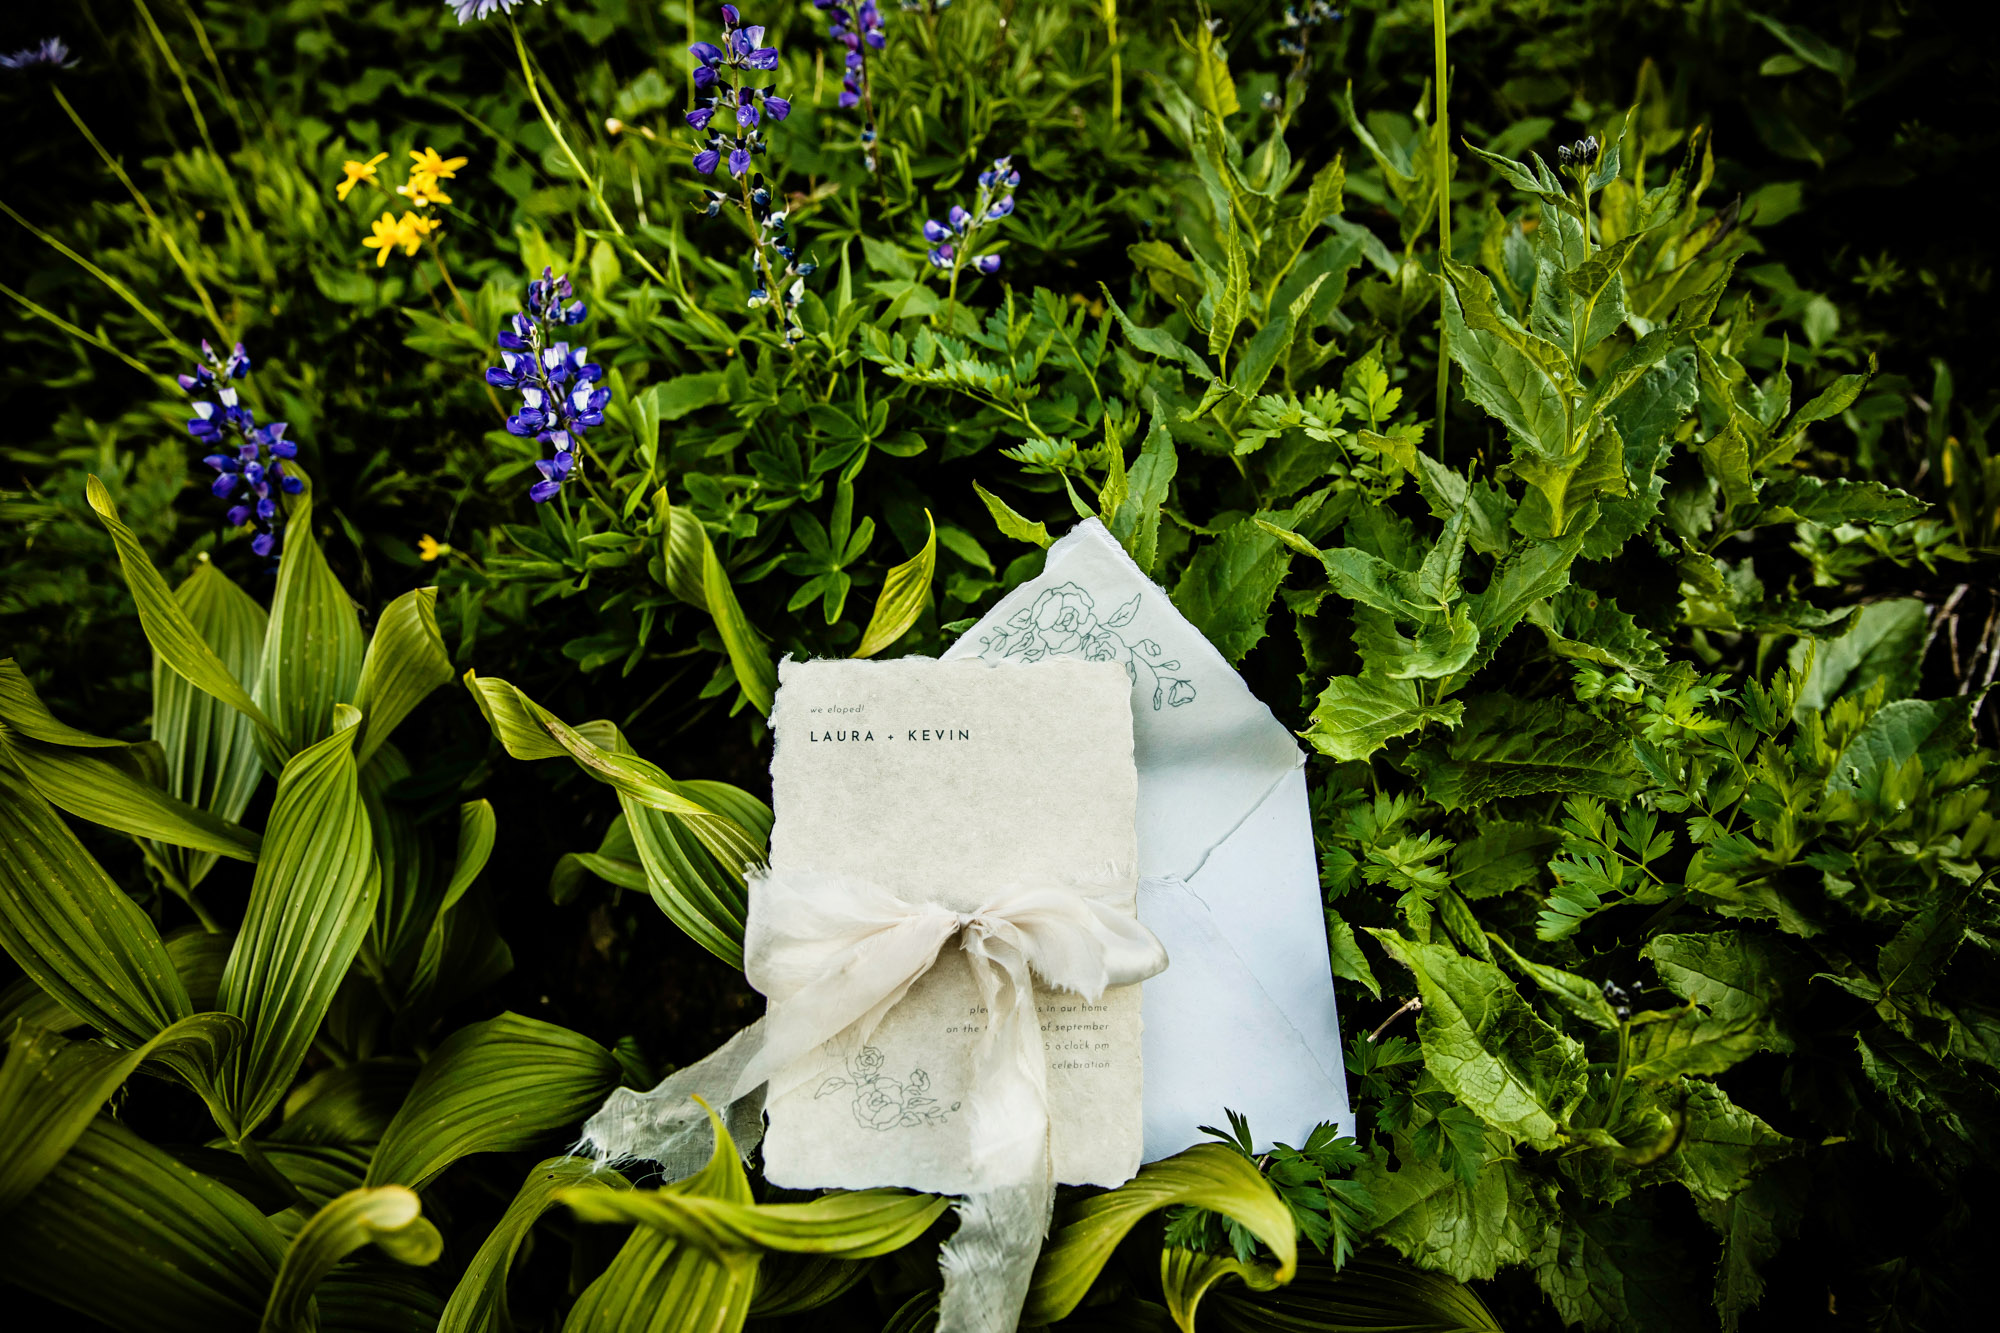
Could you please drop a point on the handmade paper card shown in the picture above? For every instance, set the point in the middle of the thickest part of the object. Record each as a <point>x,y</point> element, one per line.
<point>972,824</point>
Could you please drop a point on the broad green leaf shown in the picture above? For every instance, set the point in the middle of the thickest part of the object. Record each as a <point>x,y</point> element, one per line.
<point>1503,855</point>
<point>1227,589</point>
<point>479,1303</point>
<point>682,542</point>
<point>1664,1044</point>
<point>1752,1223</point>
<point>173,636</point>
<point>1186,1276</point>
<point>1513,388</point>
<point>312,648</point>
<point>1881,641</point>
<point>391,1218</point>
<point>75,932</point>
<point>796,1283</point>
<point>905,590</point>
<point>616,861</point>
<point>1510,747</point>
<point>1605,1269</point>
<point>1897,733</point>
<point>1722,1147</point>
<point>1577,996</point>
<point>209,747</point>
<point>497,1086</point>
<point>1271,346</point>
<point>1735,975</point>
<point>1010,523</point>
<point>1486,1046</point>
<point>405,662</point>
<point>1358,715</point>
<point>52,1088</point>
<point>1207,1175</point>
<point>1837,501</point>
<point>476,829</point>
<point>1469,1229</point>
<point>749,654</point>
<point>311,902</point>
<point>192,1256</point>
<point>105,782</point>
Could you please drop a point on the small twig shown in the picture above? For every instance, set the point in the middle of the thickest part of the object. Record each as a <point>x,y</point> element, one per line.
<point>1938,619</point>
<point>1410,1006</point>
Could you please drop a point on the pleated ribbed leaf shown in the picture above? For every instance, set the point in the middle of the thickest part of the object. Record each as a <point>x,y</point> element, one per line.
<point>497,1086</point>
<point>476,829</point>
<point>51,1088</point>
<point>390,1218</point>
<point>312,649</point>
<point>107,782</point>
<point>1186,1276</point>
<point>189,1255</point>
<point>173,636</point>
<point>1207,1176</point>
<point>310,904</point>
<point>405,661</point>
<point>695,839</point>
<point>748,652</point>
<point>860,1225</point>
<point>73,931</point>
<point>1369,1295</point>
<point>209,747</point>
<point>904,591</point>
<point>479,1303</point>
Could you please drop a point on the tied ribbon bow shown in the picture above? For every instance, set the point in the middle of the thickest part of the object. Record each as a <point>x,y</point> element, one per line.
<point>833,954</point>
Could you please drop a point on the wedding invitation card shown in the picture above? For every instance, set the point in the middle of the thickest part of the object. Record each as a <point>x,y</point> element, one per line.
<point>952,783</point>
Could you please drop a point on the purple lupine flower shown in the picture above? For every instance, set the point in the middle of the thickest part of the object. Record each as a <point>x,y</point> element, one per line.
<point>698,119</point>
<point>249,459</point>
<point>558,402</point>
<point>858,30</point>
<point>954,245</point>
<point>705,161</point>
<point>777,108</point>
<point>739,161</point>
<point>49,53</point>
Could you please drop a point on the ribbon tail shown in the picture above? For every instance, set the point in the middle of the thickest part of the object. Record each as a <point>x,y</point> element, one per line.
<point>990,1259</point>
<point>666,1126</point>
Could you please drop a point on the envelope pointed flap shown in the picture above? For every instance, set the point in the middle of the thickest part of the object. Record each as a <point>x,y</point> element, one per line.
<point>1208,750</point>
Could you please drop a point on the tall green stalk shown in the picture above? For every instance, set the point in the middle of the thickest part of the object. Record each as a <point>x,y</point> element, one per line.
<point>1443,168</point>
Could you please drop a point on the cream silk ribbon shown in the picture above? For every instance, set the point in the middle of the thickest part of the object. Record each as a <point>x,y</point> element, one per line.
<point>833,954</point>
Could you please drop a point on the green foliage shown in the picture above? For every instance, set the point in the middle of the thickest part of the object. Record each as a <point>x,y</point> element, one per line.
<point>1642,660</point>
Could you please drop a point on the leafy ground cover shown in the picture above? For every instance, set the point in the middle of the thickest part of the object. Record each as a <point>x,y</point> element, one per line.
<point>1627,561</point>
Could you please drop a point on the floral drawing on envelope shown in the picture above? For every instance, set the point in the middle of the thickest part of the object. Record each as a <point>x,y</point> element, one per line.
<point>1063,622</point>
<point>882,1103</point>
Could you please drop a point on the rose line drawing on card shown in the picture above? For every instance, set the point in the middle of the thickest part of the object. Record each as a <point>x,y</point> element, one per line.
<point>1063,622</point>
<point>881,1103</point>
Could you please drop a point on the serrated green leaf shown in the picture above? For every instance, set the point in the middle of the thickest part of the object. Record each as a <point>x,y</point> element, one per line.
<point>1508,747</point>
<point>1010,523</point>
<point>1880,641</point>
<point>1357,715</point>
<point>1227,589</point>
<point>1735,975</point>
<point>1467,1229</point>
<point>1486,1047</point>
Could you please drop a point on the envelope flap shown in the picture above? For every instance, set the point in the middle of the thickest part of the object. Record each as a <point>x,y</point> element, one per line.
<point>1208,750</point>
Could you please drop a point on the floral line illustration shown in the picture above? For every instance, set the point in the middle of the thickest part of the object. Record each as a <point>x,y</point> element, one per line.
<point>882,1103</point>
<point>1063,622</point>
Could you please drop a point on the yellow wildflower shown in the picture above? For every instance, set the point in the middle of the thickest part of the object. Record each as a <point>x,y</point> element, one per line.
<point>389,233</point>
<point>356,173</point>
<point>429,164</point>
<point>430,548</point>
<point>423,191</point>
<point>415,229</point>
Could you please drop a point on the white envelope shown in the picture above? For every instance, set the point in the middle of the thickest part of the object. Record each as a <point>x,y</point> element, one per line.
<point>1243,1017</point>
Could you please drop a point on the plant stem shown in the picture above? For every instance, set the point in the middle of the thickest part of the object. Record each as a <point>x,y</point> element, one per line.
<point>1410,1005</point>
<point>1117,64</point>
<point>159,228</point>
<point>1443,168</point>
<point>118,288</point>
<point>576,163</point>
